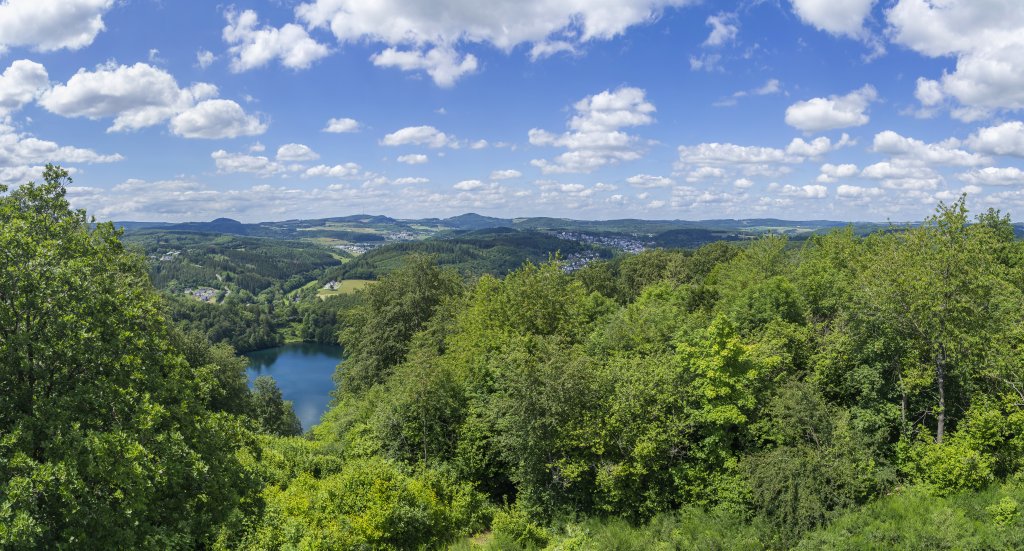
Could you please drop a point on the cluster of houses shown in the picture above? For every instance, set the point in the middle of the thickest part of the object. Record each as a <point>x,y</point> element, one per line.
<point>205,294</point>
<point>627,244</point>
<point>402,236</point>
<point>358,248</point>
<point>577,261</point>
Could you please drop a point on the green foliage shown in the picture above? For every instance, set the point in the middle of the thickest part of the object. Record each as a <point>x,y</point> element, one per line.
<point>916,519</point>
<point>814,466</point>
<point>515,528</point>
<point>274,414</point>
<point>378,332</point>
<point>422,407</point>
<point>687,528</point>
<point>239,263</point>
<point>371,503</point>
<point>323,320</point>
<point>768,381</point>
<point>767,301</point>
<point>848,392</point>
<point>491,251</point>
<point>245,327</point>
<point>219,373</point>
<point>624,277</point>
<point>1005,511</point>
<point>108,438</point>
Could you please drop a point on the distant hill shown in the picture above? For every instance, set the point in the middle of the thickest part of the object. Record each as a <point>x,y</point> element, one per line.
<point>132,226</point>
<point>370,228</point>
<point>689,238</point>
<point>473,221</point>
<point>220,225</point>
<point>491,251</point>
<point>363,219</point>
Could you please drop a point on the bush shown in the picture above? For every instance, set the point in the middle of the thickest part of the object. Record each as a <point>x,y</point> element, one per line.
<point>918,519</point>
<point>516,528</point>
<point>371,503</point>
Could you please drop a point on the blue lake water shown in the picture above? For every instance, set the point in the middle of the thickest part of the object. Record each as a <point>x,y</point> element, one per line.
<point>303,373</point>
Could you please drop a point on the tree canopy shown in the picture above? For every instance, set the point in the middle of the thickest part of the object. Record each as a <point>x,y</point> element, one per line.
<point>842,392</point>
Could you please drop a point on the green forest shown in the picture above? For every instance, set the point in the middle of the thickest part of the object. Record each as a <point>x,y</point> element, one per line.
<point>261,288</point>
<point>487,251</point>
<point>840,392</point>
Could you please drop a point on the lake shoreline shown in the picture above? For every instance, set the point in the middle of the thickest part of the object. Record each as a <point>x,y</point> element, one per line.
<point>304,373</point>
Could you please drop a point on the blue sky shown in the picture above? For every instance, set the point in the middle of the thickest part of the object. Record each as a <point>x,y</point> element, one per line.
<point>839,109</point>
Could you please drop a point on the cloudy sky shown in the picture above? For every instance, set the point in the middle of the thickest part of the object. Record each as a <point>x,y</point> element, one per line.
<point>267,110</point>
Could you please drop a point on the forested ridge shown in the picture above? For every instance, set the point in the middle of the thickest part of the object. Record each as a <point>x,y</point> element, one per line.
<point>260,290</point>
<point>843,392</point>
<point>247,264</point>
<point>488,251</point>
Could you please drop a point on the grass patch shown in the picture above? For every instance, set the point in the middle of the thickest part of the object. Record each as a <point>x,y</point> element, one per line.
<point>345,287</point>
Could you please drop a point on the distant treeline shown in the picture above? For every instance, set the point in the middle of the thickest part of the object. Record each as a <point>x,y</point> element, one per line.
<point>249,264</point>
<point>848,392</point>
<point>494,251</point>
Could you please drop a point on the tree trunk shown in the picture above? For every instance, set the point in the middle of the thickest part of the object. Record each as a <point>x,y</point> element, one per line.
<point>940,381</point>
<point>904,402</point>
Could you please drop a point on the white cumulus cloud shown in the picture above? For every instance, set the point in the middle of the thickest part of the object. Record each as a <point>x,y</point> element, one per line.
<point>215,119</point>
<point>296,152</point>
<point>229,163</point>
<point>946,152</point>
<point>469,185</point>
<point>928,92</point>
<point>443,65</point>
<point>418,135</point>
<point>21,83</point>
<point>595,137</point>
<point>136,96</point>
<point>816,147</point>
<point>507,174</point>
<point>858,192</point>
<point>1003,139</point>
<point>549,48</point>
<point>253,46</point>
<point>838,17</point>
<point>48,25</point>
<point>413,159</point>
<point>205,58</point>
<point>346,170</point>
<point>704,173</point>
<point>140,95</point>
<point>647,181</point>
<point>830,172</point>
<point>809,191</point>
<point>341,125</point>
<point>410,181</point>
<point>430,33</point>
<point>993,176</point>
<point>818,114</point>
<point>724,28</point>
<point>985,37</point>
<point>22,154</point>
<point>797,151</point>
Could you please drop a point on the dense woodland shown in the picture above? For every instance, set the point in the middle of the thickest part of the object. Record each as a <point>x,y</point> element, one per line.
<point>247,264</point>
<point>472,254</point>
<point>265,287</point>
<point>844,392</point>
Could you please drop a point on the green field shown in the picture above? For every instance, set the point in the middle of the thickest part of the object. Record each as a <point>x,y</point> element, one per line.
<point>345,287</point>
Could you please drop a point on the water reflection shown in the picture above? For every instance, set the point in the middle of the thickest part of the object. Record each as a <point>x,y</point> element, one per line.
<point>303,373</point>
